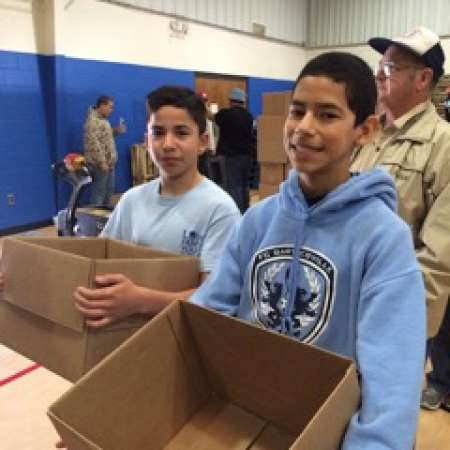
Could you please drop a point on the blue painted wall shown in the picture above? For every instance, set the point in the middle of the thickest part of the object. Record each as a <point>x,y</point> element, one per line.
<point>83,81</point>
<point>43,105</point>
<point>25,142</point>
<point>257,87</point>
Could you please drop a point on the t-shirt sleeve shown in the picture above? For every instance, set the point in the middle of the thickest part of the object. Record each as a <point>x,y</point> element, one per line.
<point>222,222</point>
<point>113,227</point>
<point>221,291</point>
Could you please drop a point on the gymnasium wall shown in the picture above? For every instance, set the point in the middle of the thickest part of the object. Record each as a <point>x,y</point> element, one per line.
<point>57,57</point>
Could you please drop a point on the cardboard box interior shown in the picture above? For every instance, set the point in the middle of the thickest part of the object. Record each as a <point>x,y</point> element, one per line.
<point>38,317</point>
<point>194,379</point>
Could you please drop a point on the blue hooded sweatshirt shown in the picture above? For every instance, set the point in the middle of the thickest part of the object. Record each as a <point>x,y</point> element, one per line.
<point>354,288</point>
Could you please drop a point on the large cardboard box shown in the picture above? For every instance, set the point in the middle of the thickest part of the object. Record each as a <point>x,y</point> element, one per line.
<point>277,103</point>
<point>37,315</point>
<point>270,139</point>
<point>271,173</point>
<point>142,167</point>
<point>265,190</point>
<point>193,379</point>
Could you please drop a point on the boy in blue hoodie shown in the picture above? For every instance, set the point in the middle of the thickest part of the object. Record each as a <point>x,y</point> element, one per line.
<point>328,261</point>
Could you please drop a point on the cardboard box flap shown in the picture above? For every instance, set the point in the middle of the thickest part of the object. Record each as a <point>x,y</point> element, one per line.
<point>119,249</point>
<point>269,381</point>
<point>87,247</point>
<point>72,439</point>
<point>44,272</point>
<point>333,416</point>
<point>153,273</point>
<point>169,392</point>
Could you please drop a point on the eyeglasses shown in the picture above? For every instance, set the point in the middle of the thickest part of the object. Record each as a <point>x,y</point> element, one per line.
<point>388,68</point>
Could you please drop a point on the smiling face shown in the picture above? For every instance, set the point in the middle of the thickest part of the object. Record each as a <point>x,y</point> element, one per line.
<point>174,142</point>
<point>320,133</point>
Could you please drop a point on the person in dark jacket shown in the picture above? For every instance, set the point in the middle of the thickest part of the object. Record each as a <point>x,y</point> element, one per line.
<point>235,147</point>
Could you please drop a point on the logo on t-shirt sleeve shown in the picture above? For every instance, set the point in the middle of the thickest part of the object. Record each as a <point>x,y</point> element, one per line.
<point>191,243</point>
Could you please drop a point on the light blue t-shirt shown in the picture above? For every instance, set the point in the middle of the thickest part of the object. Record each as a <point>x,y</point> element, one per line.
<point>196,223</point>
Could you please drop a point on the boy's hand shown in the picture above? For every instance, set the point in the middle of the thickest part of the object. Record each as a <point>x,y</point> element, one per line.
<point>116,297</point>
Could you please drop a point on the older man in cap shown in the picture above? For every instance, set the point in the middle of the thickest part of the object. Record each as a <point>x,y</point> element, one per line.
<point>413,144</point>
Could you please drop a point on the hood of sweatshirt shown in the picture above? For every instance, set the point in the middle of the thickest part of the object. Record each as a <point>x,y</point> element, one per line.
<point>361,186</point>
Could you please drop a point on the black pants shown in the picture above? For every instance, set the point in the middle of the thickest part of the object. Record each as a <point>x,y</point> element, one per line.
<point>236,179</point>
<point>439,351</point>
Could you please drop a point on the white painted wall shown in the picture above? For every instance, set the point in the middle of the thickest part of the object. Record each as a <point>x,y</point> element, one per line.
<point>104,31</point>
<point>95,30</point>
<point>26,26</point>
<point>100,31</point>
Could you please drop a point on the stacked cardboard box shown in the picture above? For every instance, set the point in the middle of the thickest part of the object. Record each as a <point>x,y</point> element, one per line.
<point>142,167</point>
<point>439,95</point>
<point>196,380</point>
<point>271,155</point>
<point>38,317</point>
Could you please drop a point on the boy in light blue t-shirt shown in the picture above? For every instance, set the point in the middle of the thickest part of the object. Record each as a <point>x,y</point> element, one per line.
<point>181,211</point>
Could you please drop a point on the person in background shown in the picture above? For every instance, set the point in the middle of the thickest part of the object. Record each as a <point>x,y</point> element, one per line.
<point>100,150</point>
<point>447,104</point>
<point>328,261</point>
<point>413,144</point>
<point>181,211</point>
<point>204,159</point>
<point>235,147</point>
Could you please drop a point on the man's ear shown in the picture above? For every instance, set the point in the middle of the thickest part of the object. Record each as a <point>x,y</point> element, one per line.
<point>367,129</point>
<point>426,78</point>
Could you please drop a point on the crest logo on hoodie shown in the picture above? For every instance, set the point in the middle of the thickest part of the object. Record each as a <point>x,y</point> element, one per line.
<point>293,299</point>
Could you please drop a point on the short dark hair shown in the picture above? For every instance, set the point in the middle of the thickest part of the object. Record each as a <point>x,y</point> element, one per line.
<point>179,97</point>
<point>103,100</point>
<point>341,67</point>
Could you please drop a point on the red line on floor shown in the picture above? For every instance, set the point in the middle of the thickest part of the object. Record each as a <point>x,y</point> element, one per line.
<point>19,374</point>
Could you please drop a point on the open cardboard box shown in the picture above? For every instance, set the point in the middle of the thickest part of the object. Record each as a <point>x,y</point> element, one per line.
<point>38,317</point>
<point>193,379</point>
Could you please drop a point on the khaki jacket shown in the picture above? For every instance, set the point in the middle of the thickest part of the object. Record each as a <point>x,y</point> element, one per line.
<point>416,152</point>
<point>99,145</point>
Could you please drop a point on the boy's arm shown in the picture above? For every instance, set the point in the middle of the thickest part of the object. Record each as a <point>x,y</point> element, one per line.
<point>119,297</point>
<point>222,290</point>
<point>390,350</point>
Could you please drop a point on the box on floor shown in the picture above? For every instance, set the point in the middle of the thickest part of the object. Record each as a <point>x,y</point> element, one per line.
<point>193,379</point>
<point>38,317</point>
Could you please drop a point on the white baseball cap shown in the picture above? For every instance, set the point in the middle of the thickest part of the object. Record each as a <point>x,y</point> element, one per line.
<point>421,41</point>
